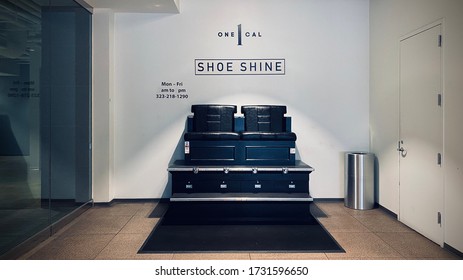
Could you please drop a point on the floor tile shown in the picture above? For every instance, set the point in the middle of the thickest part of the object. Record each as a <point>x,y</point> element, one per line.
<point>415,246</point>
<point>332,208</point>
<point>368,212</point>
<point>362,245</point>
<point>97,225</point>
<point>79,247</point>
<point>117,209</point>
<point>211,256</point>
<point>342,224</point>
<point>126,246</point>
<point>146,209</point>
<point>357,258</point>
<point>139,224</point>
<point>118,232</point>
<point>288,256</point>
<point>382,223</point>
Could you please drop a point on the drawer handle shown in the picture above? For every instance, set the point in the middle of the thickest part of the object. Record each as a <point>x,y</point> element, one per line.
<point>189,186</point>
<point>292,186</point>
<point>223,186</point>
<point>257,186</point>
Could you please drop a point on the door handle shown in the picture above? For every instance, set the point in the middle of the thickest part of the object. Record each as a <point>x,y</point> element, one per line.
<point>401,149</point>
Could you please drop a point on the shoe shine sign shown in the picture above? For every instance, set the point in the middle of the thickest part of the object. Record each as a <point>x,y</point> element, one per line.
<point>245,66</point>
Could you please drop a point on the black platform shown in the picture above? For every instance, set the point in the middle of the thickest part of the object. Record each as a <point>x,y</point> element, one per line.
<point>253,181</point>
<point>239,227</point>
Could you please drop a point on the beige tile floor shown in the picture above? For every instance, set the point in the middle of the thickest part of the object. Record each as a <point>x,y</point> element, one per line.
<point>118,231</point>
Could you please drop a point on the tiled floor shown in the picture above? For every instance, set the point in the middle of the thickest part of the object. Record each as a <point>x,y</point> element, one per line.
<point>118,231</point>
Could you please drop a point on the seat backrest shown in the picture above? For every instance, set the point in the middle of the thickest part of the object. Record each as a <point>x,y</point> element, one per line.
<point>265,118</point>
<point>213,118</point>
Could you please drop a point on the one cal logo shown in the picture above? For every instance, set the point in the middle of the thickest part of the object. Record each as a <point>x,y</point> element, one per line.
<point>239,34</point>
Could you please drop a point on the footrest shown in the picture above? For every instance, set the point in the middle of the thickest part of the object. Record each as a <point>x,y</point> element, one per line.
<point>178,197</point>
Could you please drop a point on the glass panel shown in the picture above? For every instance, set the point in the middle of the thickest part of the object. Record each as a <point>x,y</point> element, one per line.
<point>22,212</point>
<point>45,97</point>
<point>66,84</point>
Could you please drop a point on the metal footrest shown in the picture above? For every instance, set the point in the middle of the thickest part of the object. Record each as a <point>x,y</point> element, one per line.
<point>180,197</point>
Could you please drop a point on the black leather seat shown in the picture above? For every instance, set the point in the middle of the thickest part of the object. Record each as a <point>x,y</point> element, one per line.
<point>249,135</point>
<point>213,122</point>
<point>265,122</point>
<point>190,136</point>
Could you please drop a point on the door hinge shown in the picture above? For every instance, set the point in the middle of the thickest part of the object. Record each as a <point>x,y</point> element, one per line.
<point>439,218</point>
<point>440,41</point>
<point>439,159</point>
<point>439,100</point>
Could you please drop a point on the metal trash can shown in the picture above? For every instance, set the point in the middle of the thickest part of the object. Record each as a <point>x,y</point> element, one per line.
<point>359,192</point>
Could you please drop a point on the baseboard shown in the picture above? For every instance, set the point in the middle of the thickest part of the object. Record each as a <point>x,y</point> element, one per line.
<point>130,200</point>
<point>453,250</point>
<point>328,199</point>
<point>389,212</point>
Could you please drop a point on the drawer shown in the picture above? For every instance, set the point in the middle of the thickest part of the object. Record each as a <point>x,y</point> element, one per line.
<point>183,186</point>
<point>223,186</point>
<point>241,181</point>
<point>291,186</point>
<point>257,186</point>
<point>209,186</point>
<point>190,186</point>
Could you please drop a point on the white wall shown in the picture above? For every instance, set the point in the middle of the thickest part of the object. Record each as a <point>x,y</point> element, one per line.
<point>389,20</point>
<point>103,91</point>
<point>325,44</point>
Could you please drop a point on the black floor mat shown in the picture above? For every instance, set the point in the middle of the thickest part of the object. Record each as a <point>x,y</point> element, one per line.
<point>239,227</point>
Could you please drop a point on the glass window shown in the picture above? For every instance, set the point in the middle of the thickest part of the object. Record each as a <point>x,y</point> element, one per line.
<point>45,131</point>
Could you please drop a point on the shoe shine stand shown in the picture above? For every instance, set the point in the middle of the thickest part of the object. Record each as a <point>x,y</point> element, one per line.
<point>250,158</point>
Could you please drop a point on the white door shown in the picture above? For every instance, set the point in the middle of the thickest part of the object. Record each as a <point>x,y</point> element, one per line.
<point>421,133</point>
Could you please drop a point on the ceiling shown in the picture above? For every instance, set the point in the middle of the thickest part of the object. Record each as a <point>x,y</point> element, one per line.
<point>20,20</point>
<point>135,6</point>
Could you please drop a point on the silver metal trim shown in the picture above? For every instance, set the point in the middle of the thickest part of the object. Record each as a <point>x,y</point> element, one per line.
<point>180,199</point>
<point>239,169</point>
